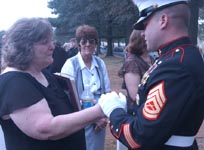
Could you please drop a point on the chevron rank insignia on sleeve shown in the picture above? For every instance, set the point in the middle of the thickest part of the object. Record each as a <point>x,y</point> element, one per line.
<point>155,102</point>
<point>128,136</point>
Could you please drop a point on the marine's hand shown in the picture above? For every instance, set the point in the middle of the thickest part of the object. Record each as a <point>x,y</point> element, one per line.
<point>111,101</point>
<point>122,97</point>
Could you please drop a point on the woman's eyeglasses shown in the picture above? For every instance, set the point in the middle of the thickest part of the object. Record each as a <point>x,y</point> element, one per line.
<point>90,41</point>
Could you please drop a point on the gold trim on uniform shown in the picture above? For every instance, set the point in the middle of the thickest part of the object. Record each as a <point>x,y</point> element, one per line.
<point>129,138</point>
<point>137,99</point>
<point>144,78</point>
<point>146,75</point>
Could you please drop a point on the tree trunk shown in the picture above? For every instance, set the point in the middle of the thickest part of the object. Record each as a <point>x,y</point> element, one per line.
<point>193,28</point>
<point>110,50</point>
<point>110,33</point>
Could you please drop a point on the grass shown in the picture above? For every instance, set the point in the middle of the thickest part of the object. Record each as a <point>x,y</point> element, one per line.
<point>113,64</point>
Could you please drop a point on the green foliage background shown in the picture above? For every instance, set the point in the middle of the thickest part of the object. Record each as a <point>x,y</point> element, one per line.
<point>113,19</point>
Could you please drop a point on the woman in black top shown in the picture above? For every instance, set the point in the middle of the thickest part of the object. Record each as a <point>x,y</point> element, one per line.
<point>35,112</point>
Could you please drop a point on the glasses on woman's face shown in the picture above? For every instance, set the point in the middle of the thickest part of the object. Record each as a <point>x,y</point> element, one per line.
<point>90,41</point>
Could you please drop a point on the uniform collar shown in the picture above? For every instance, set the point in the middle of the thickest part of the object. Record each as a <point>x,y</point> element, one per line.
<point>174,44</point>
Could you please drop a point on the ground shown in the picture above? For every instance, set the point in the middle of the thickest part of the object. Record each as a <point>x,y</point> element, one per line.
<point>113,65</point>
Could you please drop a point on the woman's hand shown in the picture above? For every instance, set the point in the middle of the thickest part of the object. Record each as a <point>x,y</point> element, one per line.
<point>100,124</point>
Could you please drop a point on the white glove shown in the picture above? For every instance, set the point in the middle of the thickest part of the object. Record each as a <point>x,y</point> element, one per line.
<point>111,101</point>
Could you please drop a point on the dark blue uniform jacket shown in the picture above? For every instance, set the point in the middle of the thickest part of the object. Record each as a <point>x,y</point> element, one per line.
<point>171,99</point>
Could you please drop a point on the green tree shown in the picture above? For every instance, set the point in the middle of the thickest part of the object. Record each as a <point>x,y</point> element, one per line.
<point>112,19</point>
<point>1,35</point>
<point>70,14</point>
<point>193,28</point>
<point>201,25</point>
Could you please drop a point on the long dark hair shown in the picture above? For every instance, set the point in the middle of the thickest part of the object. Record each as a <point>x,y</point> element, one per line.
<point>136,43</point>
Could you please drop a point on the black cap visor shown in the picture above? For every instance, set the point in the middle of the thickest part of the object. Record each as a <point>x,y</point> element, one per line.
<point>146,13</point>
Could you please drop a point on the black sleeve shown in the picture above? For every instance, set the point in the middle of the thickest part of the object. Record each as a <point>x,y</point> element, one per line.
<point>167,101</point>
<point>17,93</point>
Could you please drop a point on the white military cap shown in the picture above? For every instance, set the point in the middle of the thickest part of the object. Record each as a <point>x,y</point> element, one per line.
<point>148,7</point>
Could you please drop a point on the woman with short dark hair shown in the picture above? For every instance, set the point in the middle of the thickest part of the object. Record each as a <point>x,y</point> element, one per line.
<point>85,67</point>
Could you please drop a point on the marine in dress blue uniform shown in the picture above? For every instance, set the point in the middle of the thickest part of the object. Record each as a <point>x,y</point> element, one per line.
<point>170,98</point>
<point>170,102</point>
